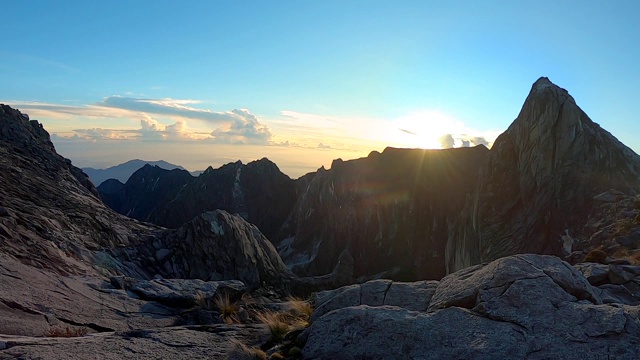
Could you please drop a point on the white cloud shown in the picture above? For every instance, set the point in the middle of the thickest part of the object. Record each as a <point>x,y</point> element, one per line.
<point>244,129</point>
<point>446,141</point>
<point>233,127</point>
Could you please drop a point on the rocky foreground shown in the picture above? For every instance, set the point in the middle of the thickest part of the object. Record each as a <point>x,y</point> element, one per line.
<point>518,307</point>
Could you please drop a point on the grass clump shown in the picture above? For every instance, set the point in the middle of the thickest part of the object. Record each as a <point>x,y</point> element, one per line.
<point>301,311</point>
<point>276,323</point>
<point>228,309</point>
<point>66,332</point>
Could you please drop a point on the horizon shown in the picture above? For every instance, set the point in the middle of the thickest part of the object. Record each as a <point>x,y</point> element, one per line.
<point>303,84</point>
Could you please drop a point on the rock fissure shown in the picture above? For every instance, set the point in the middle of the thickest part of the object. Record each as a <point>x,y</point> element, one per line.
<point>384,297</point>
<point>96,327</point>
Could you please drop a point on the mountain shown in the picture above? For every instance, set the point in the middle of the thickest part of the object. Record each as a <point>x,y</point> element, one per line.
<point>390,211</point>
<point>258,191</point>
<point>539,180</point>
<point>146,193</point>
<point>50,207</point>
<point>123,171</point>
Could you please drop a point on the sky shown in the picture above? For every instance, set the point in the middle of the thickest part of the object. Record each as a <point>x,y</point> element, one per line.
<point>203,83</point>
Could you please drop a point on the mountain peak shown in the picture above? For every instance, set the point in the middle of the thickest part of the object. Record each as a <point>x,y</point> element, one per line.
<point>542,172</point>
<point>542,83</point>
<point>545,90</point>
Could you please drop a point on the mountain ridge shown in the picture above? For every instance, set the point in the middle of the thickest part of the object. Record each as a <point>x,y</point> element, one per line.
<point>122,172</point>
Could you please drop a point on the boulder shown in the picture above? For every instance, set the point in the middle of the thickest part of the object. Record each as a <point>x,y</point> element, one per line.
<point>522,306</point>
<point>408,295</point>
<point>186,292</point>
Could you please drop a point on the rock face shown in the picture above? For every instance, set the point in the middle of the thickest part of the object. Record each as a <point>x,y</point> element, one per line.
<point>390,211</point>
<point>52,217</point>
<point>538,181</point>
<point>258,191</point>
<point>518,307</point>
<point>214,246</point>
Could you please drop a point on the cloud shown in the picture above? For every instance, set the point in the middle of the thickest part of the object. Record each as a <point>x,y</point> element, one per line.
<point>479,140</point>
<point>99,134</point>
<point>408,131</point>
<point>172,107</point>
<point>323,146</point>
<point>237,126</point>
<point>244,129</point>
<point>446,141</point>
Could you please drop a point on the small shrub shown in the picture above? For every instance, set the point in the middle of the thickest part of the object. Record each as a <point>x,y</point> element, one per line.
<point>240,351</point>
<point>276,323</point>
<point>66,332</point>
<point>596,256</point>
<point>228,309</point>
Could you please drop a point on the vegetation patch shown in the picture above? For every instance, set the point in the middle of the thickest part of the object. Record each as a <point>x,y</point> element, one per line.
<point>66,332</point>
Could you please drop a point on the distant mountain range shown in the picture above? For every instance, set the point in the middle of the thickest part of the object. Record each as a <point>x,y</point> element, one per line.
<point>123,171</point>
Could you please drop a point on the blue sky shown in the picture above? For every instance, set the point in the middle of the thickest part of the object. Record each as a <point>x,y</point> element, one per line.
<point>205,82</point>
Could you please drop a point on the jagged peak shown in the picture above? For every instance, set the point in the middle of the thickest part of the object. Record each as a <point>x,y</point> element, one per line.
<point>544,85</point>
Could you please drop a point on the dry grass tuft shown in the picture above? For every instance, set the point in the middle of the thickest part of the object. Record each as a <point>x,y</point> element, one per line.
<point>228,309</point>
<point>240,351</point>
<point>276,323</point>
<point>301,310</point>
<point>66,332</point>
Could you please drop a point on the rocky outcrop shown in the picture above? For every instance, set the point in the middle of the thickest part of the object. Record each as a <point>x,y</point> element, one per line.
<point>51,215</point>
<point>518,307</point>
<point>389,211</point>
<point>258,191</point>
<point>214,246</point>
<point>184,293</point>
<point>538,181</point>
<point>32,301</point>
<point>413,296</point>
